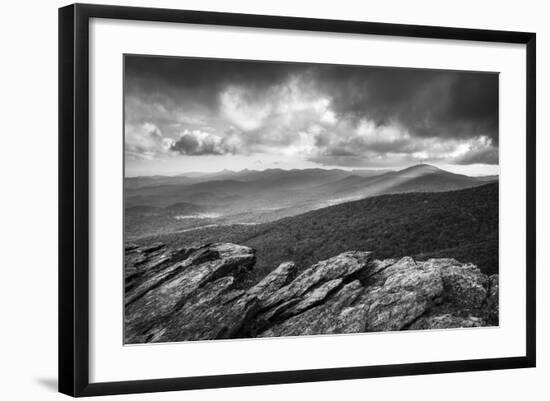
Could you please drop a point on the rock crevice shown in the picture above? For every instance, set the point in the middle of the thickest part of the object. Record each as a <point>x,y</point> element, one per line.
<point>197,294</point>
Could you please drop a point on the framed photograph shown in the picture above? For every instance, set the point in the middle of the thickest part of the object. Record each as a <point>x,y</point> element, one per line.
<point>250,199</point>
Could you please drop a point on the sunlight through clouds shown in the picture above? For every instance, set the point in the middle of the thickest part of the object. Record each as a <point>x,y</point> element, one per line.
<point>324,115</point>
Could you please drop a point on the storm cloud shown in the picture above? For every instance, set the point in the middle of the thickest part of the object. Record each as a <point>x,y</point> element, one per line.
<point>326,114</point>
<point>201,143</point>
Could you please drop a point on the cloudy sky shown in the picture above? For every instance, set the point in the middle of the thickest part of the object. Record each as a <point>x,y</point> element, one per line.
<point>186,114</point>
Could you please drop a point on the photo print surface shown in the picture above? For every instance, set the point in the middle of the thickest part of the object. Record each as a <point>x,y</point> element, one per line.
<point>268,199</point>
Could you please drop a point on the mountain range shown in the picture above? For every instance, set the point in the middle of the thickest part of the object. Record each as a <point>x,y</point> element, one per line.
<point>169,203</point>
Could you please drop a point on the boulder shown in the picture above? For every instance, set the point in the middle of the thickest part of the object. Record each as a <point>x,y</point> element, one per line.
<point>312,297</point>
<point>341,266</point>
<point>281,276</point>
<point>405,291</point>
<point>188,294</point>
<point>447,321</point>
<point>165,291</point>
<point>334,316</point>
<point>211,313</point>
<point>465,285</point>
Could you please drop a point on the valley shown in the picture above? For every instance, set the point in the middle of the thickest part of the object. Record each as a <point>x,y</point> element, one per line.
<point>162,205</point>
<point>461,224</point>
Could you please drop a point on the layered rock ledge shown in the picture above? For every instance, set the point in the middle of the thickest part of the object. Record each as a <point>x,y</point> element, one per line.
<point>197,294</point>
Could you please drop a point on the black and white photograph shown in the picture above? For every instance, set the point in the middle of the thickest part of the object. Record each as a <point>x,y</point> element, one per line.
<point>275,199</point>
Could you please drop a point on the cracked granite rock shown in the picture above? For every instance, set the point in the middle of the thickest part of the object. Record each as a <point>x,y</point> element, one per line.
<point>198,294</point>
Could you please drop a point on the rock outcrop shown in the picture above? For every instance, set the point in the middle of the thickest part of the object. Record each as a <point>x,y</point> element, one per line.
<point>197,294</point>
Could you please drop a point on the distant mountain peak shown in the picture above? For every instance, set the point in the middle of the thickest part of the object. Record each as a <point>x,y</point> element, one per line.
<point>422,169</point>
<point>425,166</point>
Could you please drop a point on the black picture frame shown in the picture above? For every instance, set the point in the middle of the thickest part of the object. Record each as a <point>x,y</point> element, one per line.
<point>74,202</point>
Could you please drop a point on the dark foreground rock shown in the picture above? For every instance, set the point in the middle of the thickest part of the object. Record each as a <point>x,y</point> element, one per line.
<point>197,294</point>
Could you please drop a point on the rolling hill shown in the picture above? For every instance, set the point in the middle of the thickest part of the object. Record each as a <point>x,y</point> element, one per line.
<point>251,196</point>
<point>459,224</point>
<point>419,178</point>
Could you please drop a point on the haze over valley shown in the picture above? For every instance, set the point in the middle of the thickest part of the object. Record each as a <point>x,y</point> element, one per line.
<point>164,204</point>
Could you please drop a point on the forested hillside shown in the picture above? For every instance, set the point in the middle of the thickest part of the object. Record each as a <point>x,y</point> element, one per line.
<point>459,224</point>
